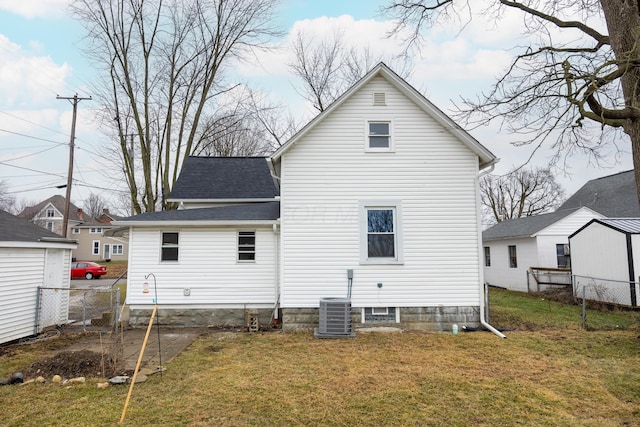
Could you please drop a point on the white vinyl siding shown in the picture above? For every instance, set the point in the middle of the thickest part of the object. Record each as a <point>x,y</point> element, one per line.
<point>22,270</point>
<point>327,173</point>
<point>208,266</point>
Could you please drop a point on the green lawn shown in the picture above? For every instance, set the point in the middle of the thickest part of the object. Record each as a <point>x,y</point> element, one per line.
<point>549,372</point>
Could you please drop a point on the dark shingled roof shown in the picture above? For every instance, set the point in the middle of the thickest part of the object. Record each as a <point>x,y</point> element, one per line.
<point>210,178</point>
<point>524,227</point>
<point>613,196</point>
<point>58,201</point>
<point>14,229</point>
<point>266,211</point>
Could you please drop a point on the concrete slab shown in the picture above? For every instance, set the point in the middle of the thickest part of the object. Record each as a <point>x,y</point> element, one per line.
<point>165,345</point>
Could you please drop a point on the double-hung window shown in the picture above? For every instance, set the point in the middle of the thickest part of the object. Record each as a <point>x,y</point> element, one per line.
<point>487,256</point>
<point>379,136</point>
<point>513,257</point>
<point>169,249</point>
<point>246,246</point>
<point>563,255</point>
<point>96,247</point>
<point>380,233</point>
<point>51,213</point>
<point>116,250</point>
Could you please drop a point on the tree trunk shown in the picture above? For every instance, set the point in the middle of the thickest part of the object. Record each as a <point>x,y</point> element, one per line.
<point>623,23</point>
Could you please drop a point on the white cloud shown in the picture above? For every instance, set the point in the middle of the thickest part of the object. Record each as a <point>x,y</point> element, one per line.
<point>35,8</point>
<point>26,79</point>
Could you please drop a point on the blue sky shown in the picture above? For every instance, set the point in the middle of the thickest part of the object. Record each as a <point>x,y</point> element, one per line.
<point>40,58</point>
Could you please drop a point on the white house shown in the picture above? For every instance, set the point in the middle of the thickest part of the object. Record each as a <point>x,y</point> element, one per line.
<point>542,241</point>
<point>30,257</point>
<point>376,199</point>
<point>512,247</point>
<point>606,260</point>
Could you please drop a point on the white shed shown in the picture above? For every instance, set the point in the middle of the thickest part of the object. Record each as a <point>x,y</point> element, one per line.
<point>605,256</point>
<point>30,257</point>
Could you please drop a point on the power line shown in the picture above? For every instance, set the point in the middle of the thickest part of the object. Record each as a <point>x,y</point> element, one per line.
<point>32,137</point>
<point>32,123</point>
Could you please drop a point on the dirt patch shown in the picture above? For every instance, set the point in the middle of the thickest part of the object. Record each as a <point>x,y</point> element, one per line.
<point>71,364</point>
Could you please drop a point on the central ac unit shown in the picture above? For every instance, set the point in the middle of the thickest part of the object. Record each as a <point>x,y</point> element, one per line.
<point>335,319</point>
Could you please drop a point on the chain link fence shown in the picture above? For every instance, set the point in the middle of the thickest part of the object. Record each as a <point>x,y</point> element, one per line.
<point>606,291</point>
<point>94,309</point>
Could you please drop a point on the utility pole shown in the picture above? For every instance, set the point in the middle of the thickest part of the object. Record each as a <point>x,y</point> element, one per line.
<point>74,101</point>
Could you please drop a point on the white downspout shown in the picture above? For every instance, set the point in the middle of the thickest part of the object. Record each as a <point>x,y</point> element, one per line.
<point>483,322</point>
<point>276,269</point>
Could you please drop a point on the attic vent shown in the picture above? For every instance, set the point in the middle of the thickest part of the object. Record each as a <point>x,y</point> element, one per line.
<point>379,98</point>
<point>335,319</point>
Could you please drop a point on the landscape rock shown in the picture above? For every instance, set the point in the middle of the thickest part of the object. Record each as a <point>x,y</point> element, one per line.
<point>4,381</point>
<point>16,378</point>
<point>77,380</point>
<point>120,379</point>
<point>40,380</point>
<point>103,385</point>
<point>56,379</point>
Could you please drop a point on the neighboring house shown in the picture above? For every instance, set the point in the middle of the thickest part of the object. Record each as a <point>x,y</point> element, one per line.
<point>93,245</point>
<point>49,214</point>
<point>512,247</point>
<point>30,257</point>
<point>606,260</point>
<point>376,198</point>
<point>542,241</point>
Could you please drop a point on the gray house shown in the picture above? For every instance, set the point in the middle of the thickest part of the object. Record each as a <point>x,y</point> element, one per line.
<point>30,257</point>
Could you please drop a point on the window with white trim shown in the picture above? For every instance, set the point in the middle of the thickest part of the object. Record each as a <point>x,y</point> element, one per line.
<point>96,247</point>
<point>169,248</point>
<point>513,257</point>
<point>95,230</point>
<point>51,213</point>
<point>75,230</point>
<point>117,250</point>
<point>381,232</point>
<point>487,256</point>
<point>50,226</point>
<point>379,136</point>
<point>246,246</point>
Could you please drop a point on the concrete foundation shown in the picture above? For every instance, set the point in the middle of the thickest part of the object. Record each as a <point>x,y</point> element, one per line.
<point>293,319</point>
<point>198,317</point>
<point>411,318</point>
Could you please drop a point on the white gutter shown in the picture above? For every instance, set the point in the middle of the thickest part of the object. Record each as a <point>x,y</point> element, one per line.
<point>483,321</point>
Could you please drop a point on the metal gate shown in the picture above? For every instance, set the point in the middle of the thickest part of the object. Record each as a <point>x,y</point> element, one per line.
<point>94,309</point>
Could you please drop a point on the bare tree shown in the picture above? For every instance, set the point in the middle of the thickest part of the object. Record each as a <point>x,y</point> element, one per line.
<point>578,91</point>
<point>94,205</point>
<point>522,192</point>
<point>7,200</point>
<point>163,66</point>
<point>327,67</point>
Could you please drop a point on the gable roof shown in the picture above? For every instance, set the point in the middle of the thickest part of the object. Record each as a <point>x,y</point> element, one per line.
<point>57,201</point>
<point>614,196</point>
<point>486,158</point>
<point>14,229</point>
<point>249,212</point>
<point>525,226</point>
<point>224,178</point>
<point>623,225</point>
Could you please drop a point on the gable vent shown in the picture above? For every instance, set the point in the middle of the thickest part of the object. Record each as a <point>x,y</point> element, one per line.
<point>379,98</point>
